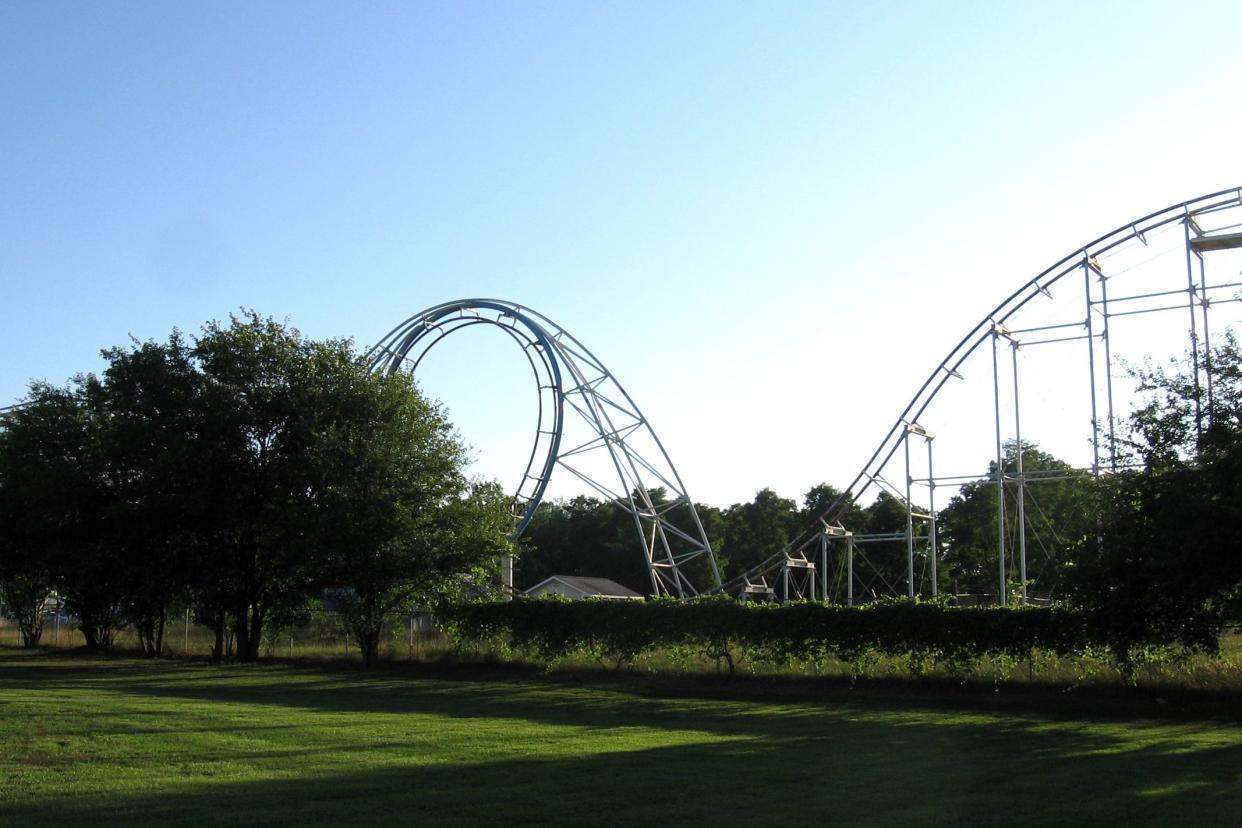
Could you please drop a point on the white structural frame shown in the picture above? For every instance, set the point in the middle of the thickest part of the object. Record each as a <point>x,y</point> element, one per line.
<point>573,383</point>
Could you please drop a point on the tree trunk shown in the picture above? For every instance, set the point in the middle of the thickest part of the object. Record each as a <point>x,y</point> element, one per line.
<point>217,627</point>
<point>30,624</point>
<point>161,624</point>
<point>248,625</point>
<point>368,642</point>
<point>26,604</point>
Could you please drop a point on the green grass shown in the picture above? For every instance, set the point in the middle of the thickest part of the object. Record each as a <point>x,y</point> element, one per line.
<point>123,741</point>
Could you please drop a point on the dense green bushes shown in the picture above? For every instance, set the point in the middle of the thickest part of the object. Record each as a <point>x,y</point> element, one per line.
<point>798,634</point>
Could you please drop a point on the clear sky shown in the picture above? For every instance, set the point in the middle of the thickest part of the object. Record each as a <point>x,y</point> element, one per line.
<point>769,220</point>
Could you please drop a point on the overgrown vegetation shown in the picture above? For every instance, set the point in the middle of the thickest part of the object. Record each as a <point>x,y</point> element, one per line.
<point>802,636</point>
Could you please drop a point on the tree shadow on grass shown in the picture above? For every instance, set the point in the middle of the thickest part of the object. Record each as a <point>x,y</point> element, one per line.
<point>896,777</point>
<point>792,760</point>
<point>602,701</point>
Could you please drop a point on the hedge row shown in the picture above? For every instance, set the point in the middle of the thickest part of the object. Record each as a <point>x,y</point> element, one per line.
<point>796,634</point>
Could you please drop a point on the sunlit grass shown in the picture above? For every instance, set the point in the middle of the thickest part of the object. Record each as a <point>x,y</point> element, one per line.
<point>124,741</point>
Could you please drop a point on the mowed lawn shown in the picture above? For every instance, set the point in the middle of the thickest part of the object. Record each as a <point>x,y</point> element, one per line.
<point>128,742</point>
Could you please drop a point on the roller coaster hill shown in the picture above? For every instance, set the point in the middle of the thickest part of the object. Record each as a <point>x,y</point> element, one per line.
<point>1049,360</point>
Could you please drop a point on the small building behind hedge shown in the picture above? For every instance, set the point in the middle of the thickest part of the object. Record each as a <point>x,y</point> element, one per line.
<point>574,587</point>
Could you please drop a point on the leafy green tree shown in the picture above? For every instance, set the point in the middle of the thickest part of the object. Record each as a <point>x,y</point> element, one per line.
<point>259,402</point>
<point>881,565</point>
<point>589,537</point>
<point>37,451</point>
<point>396,516</point>
<point>819,497</point>
<point>148,439</point>
<point>1060,512</point>
<point>1167,568</point>
<point>243,473</point>
<point>582,536</point>
<point>58,517</point>
<point>757,530</point>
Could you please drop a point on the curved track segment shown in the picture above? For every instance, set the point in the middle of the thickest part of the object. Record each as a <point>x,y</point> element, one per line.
<point>1048,364</point>
<point>588,425</point>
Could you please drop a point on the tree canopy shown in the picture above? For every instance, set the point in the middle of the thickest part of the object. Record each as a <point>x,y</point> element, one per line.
<point>242,474</point>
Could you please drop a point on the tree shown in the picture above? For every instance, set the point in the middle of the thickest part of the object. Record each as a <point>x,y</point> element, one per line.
<point>148,395</point>
<point>34,461</point>
<point>583,536</point>
<point>56,512</point>
<point>757,530</point>
<point>260,401</point>
<point>390,465</point>
<point>243,473</point>
<point>1167,565</point>
<point>1060,509</point>
<point>822,495</point>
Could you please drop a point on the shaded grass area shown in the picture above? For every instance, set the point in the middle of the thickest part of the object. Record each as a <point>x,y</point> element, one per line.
<point>103,741</point>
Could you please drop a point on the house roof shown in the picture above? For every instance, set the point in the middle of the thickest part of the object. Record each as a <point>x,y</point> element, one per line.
<point>591,586</point>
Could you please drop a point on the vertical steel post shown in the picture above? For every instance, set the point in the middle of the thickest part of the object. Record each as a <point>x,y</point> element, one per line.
<point>1207,341</point>
<point>506,576</point>
<point>1017,429</point>
<point>1002,596</point>
<point>931,525</point>
<point>909,521</point>
<point>823,566</point>
<point>849,569</point>
<point>1095,417</point>
<point>187,631</point>
<point>1108,373</point>
<point>1194,334</point>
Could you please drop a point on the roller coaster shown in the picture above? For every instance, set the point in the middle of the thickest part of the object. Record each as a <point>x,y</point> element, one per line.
<point>1049,359</point>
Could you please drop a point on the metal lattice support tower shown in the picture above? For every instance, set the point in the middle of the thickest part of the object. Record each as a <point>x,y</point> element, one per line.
<point>588,425</point>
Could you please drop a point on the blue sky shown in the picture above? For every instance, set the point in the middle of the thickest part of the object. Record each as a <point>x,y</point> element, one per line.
<point>735,206</point>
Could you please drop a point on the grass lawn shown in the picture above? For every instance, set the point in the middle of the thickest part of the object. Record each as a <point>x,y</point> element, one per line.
<point>121,741</point>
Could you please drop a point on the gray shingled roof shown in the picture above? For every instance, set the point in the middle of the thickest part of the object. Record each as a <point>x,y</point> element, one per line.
<point>597,586</point>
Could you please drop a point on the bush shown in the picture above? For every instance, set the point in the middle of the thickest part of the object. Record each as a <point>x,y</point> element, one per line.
<point>805,634</point>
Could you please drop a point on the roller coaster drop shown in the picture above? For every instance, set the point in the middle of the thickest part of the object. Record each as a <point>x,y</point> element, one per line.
<point>1123,274</point>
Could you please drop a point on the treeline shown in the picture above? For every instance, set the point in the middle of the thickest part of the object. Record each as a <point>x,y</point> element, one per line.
<point>243,474</point>
<point>587,536</point>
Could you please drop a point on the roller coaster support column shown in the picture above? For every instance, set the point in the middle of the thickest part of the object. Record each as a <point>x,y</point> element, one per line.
<point>1017,428</point>
<point>1002,596</point>
<point>1108,371</point>
<point>931,510</point>
<point>849,569</point>
<point>909,519</point>
<point>827,533</point>
<point>1194,335</point>
<point>1087,266</point>
<point>823,565</point>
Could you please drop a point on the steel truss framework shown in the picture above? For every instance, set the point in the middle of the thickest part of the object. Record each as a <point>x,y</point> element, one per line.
<point>1119,275</point>
<point>618,454</point>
